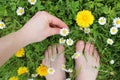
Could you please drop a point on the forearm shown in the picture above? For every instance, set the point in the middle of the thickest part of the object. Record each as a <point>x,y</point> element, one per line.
<point>10,44</point>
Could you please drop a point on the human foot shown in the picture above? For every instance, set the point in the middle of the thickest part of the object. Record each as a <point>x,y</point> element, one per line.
<point>87,63</point>
<point>54,58</point>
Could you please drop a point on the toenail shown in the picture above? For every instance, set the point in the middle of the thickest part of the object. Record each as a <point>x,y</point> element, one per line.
<point>81,43</point>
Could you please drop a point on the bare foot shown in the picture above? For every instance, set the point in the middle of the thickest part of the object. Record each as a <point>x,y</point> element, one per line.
<point>87,62</point>
<point>54,58</point>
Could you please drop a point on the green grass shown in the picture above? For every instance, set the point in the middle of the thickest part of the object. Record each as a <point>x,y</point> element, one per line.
<point>65,10</point>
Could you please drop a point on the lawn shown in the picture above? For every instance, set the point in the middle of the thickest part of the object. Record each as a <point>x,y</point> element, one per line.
<point>66,10</point>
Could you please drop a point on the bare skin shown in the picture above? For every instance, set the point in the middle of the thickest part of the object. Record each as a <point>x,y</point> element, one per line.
<point>56,52</point>
<point>87,65</point>
<point>38,28</point>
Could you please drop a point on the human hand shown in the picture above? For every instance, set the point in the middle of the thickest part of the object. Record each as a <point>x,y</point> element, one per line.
<point>41,26</point>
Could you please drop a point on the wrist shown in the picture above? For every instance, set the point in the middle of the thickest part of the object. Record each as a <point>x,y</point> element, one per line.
<point>21,38</point>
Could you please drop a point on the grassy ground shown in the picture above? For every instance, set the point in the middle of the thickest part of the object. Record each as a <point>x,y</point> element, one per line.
<point>65,10</point>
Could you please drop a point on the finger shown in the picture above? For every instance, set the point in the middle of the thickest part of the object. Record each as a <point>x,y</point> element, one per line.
<point>54,31</point>
<point>56,22</point>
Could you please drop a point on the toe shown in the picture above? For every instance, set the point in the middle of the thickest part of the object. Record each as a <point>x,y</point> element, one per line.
<point>50,52</point>
<point>87,48</point>
<point>95,54</point>
<point>46,56</point>
<point>91,49</point>
<point>46,60</point>
<point>60,56</point>
<point>60,49</point>
<point>80,46</point>
<point>54,50</point>
<point>98,59</point>
<point>43,62</point>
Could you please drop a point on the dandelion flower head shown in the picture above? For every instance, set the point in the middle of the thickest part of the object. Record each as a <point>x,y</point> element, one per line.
<point>22,70</point>
<point>20,53</point>
<point>84,18</point>
<point>42,70</point>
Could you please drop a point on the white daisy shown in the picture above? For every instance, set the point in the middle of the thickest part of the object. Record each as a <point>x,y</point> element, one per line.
<point>112,62</point>
<point>70,70</point>
<point>51,70</point>
<point>110,41</point>
<point>64,32</point>
<point>34,75</point>
<point>2,25</point>
<point>68,79</point>
<point>87,30</point>
<point>62,40</point>
<point>116,22</point>
<point>20,11</point>
<point>113,30</point>
<point>32,2</point>
<point>102,20</point>
<point>69,42</point>
<point>64,68</point>
<point>76,55</point>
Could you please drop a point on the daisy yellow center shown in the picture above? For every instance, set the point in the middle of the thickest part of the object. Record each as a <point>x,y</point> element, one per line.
<point>110,41</point>
<point>102,20</point>
<point>51,70</point>
<point>75,55</point>
<point>32,0</point>
<point>1,25</point>
<point>113,30</point>
<point>118,22</point>
<point>86,30</point>
<point>20,11</point>
<point>69,41</point>
<point>62,40</point>
<point>63,67</point>
<point>64,31</point>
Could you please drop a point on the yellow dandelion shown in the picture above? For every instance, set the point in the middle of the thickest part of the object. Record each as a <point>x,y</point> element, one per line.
<point>20,53</point>
<point>42,70</point>
<point>14,78</point>
<point>22,70</point>
<point>84,18</point>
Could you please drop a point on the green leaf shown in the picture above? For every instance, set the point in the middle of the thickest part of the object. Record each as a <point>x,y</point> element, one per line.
<point>3,11</point>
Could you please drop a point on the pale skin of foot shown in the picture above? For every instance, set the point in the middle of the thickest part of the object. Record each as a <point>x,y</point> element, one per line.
<point>57,52</point>
<point>38,28</point>
<point>87,70</point>
<point>86,66</point>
